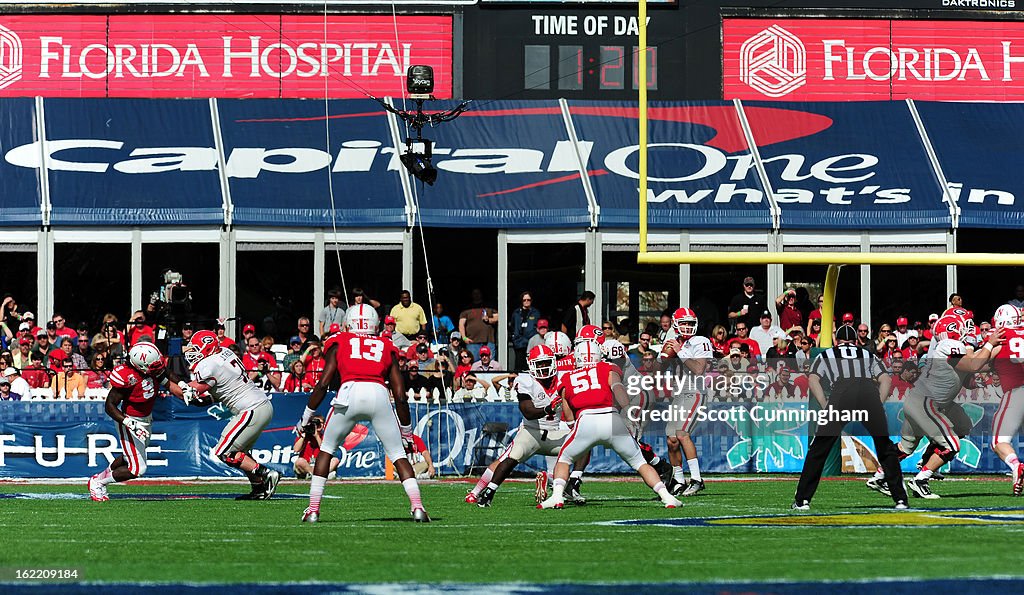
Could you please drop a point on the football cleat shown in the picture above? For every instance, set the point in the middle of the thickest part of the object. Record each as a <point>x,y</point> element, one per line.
<point>572,492</point>
<point>97,491</point>
<point>552,502</point>
<point>694,487</point>
<point>676,487</point>
<point>664,470</point>
<point>879,485</point>
<point>470,498</point>
<point>255,494</point>
<point>540,490</point>
<point>802,505</point>
<point>270,484</point>
<point>901,505</point>
<point>1018,480</point>
<point>920,489</point>
<point>310,516</point>
<point>671,502</point>
<point>485,498</point>
<point>937,476</point>
<point>420,516</point>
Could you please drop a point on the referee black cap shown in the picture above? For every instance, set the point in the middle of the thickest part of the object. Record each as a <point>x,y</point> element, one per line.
<point>846,333</point>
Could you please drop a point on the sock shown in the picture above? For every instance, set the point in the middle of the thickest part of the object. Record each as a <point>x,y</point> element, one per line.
<point>559,489</point>
<point>678,475</point>
<point>1012,460</point>
<point>482,482</point>
<point>412,489</point>
<point>576,475</point>
<point>694,469</point>
<point>105,477</point>
<point>660,489</point>
<point>493,486</point>
<point>879,474</point>
<point>924,474</point>
<point>316,491</point>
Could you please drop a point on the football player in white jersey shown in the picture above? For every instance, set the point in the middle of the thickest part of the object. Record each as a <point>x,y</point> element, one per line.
<point>929,409</point>
<point>220,374</point>
<point>695,353</point>
<point>541,430</point>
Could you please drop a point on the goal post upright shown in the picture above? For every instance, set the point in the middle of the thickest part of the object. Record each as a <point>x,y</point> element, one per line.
<point>642,117</point>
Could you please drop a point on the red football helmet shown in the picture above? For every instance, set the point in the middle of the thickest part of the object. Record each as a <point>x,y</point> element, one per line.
<point>949,327</point>
<point>684,320</point>
<point>589,332</point>
<point>202,345</point>
<point>587,354</point>
<point>961,313</point>
<point>541,362</point>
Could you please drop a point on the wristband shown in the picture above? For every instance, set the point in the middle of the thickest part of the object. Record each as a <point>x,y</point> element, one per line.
<point>307,415</point>
<point>405,430</point>
<point>987,345</point>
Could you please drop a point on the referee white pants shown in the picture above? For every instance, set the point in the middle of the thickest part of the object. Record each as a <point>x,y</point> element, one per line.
<point>363,401</point>
<point>604,427</point>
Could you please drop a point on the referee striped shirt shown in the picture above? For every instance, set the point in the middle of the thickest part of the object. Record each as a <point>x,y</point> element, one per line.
<point>846,362</point>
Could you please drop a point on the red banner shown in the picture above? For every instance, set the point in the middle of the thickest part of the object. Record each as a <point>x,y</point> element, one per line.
<point>847,59</point>
<point>220,55</point>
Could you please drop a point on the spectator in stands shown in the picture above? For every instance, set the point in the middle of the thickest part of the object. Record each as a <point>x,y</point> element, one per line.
<point>333,312</point>
<point>409,316</point>
<point>737,361</point>
<point>523,327</point>
<point>267,343</point>
<point>5,391</point>
<point>294,352</point>
<point>486,364</point>
<point>477,323</point>
<point>81,341</point>
<point>817,312</point>
<point>472,389</point>
<point>137,328</point>
<point>420,339</point>
<point>455,342</point>
<point>9,311</point>
<point>464,365</point>
<point>665,330</point>
<point>429,369</point>
<point>718,339</point>
<point>43,347</point>
<point>442,324</point>
<point>22,356</point>
<point>420,459</point>
<point>6,335</point>
<point>864,338</point>
<point>804,303</point>
<point>1018,297</point>
<point>314,361</point>
<point>745,306</point>
<point>111,343</point>
<point>888,351</point>
<point>6,359</point>
<point>222,338</point>
<point>79,359</point>
<point>69,383</point>
<point>902,332</point>
<point>609,331</point>
<point>97,376</point>
<point>19,386</point>
<point>304,329</point>
<point>400,341</point>
<point>782,389</point>
<point>743,338</point>
<point>261,365</point>
<point>789,314</point>
<point>51,334</point>
<point>783,349</point>
<point>927,333</point>
<point>62,329</point>
<point>642,348</point>
<point>765,333</point>
<point>307,446</point>
<point>955,300</point>
<point>883,335</point>
<point>578,315</point>
<point>647,363</point>
<point>30,319</point>
<point>298,381</point>
<point>538,339</point>
<point>910,348</point>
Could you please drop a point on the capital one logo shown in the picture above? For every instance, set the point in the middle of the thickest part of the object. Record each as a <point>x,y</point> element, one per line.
<point>773,62</point>
<point>10,57</point>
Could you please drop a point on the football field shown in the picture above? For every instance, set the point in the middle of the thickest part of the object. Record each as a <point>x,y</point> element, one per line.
<point>736,531</point>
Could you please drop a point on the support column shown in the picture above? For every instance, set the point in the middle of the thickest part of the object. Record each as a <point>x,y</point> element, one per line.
<point>407,262</point>
<point>774,284</point>
<point>685,287</point>
<point>44,278</point>
<point>865,283</point>
<point>319,274</point>
<point>227,301</point>
<point>504,311</point>
<point>951,270</point>
<point>136,296</point>
<point>592,278</point>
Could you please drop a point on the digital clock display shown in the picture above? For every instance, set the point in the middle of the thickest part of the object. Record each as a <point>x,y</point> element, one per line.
<point>578,67</point>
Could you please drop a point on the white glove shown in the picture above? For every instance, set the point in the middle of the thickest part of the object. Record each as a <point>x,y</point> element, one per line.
<point>137,428</point>
<point>407,441</point>
<point>189,394</point>
<point>306,416</point>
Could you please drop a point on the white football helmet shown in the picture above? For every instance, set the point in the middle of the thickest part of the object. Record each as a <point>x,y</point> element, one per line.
<point>541,362</point>
<point>1006,315</point>
<point>587,354</point>
<point>613,350</point>
<point>146,358</point>
<point>362,319</point>
<point>559,343</point>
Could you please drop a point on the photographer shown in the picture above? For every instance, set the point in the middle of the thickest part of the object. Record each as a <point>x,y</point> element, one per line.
<point>308,445</point>
<point>261,366</point>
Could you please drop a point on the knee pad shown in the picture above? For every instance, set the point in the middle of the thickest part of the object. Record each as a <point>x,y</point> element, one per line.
<point>233,459</point>
<point>947,454</point>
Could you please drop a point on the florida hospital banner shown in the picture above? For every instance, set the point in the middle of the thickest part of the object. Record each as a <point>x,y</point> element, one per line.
<point>60,440</point>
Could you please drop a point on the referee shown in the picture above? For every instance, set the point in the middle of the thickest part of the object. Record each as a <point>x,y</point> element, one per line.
<point>857,380</point>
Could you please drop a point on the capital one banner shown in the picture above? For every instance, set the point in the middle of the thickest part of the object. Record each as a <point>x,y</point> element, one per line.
<point>857,59</point>
<point>208,55</point>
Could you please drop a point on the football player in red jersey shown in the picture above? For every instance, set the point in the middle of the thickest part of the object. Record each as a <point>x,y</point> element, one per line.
<point>130,404</point>
<point>595,394</point>
<point>1008,363</point>
<point>368,366</point>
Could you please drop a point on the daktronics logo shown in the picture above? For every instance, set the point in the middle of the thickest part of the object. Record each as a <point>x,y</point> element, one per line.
<point>839,59</point>
<point>773,62</point>
<point>10,57</point>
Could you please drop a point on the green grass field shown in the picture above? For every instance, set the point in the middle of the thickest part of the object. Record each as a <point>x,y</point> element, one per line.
<point>365,535</point>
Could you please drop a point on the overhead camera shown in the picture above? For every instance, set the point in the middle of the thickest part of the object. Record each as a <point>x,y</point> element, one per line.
<point>419,82</point>
<point>416,159</point>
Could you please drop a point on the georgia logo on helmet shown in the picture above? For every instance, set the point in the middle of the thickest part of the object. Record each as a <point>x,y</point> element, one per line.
<point>589,332</point>
<point>559,343</point>
<point>949,327</point>
<point>1006,316</point>
<point>146,357</point>
<point>961,313</point>
<point>362,319</point>
<point>613,350</point>
<point>201,345</point>
<point>587,354</point>
<point>684,321</point>
<point>541,362</point>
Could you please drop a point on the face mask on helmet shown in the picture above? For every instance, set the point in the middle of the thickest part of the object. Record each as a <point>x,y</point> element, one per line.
<point>1006,316</point>
<point>685,322</point>
<point>542,367</point>
<point>202,345</point>
<point>146,358</point>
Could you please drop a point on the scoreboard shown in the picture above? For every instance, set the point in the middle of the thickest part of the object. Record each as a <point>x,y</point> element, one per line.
<point>576,54</point>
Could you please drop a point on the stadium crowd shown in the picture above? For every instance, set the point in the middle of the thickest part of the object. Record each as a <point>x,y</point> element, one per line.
<point>766,346</point>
